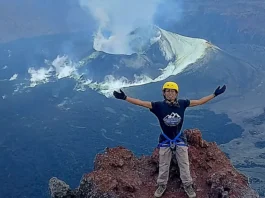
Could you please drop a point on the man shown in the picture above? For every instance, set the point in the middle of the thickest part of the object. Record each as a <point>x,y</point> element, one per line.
<point>170,114</point>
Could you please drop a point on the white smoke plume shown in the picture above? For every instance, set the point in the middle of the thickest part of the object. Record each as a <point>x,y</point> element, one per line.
<point>117,18</point>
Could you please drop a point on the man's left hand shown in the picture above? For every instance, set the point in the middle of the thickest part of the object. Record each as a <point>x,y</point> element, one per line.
<point>219,90</point>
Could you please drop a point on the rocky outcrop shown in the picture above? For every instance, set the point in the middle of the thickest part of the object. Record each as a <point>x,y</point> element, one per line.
<point>119,173</point>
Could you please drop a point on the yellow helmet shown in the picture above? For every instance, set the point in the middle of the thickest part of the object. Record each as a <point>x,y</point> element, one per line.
<point>171,85</point>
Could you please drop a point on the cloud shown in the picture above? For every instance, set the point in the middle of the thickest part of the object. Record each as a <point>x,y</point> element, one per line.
<point>61,67</point>
<point>14,77</point>
<point>41,75</point>
<point>5,67</point>
<point>64,67</point>
<point>118,18</point>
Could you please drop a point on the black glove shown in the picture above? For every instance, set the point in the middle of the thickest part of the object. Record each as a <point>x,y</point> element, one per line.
<point>219,91</point>
<point>120,96</point>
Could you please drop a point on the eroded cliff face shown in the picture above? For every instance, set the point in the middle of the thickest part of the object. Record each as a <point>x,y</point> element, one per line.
<point>119,173</point>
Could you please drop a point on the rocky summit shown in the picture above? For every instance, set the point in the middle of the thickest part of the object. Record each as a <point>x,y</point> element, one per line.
<point>119,173</point>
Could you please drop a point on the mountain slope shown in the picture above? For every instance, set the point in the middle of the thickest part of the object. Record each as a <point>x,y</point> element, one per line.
<point>48,112</point>
<point>168,55</point>
<point>35,18</point>
<point>221,22</point>
<point>217,21</point>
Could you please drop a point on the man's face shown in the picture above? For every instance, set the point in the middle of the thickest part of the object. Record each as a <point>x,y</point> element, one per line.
<point>170,94</point>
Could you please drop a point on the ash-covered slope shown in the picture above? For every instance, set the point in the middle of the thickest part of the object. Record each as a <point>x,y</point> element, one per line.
<point>155,56</point>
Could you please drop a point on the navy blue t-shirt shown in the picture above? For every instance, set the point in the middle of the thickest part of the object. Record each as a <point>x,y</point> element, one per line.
<point>171,118</point>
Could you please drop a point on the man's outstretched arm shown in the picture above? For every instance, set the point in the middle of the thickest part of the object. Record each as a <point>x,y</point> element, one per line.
<point>206,99</point>
<point>134,101</point>
<point>142,103</point>
<point>201,101</point>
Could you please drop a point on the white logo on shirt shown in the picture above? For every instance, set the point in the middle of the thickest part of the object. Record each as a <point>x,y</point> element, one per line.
<point>172,120</point>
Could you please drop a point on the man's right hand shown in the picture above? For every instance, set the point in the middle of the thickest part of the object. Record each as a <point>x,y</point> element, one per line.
<point>120,95</point>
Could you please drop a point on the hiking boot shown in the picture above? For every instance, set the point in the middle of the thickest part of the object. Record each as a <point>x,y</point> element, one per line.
<point>190,191</point>
<point>160,190</point>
